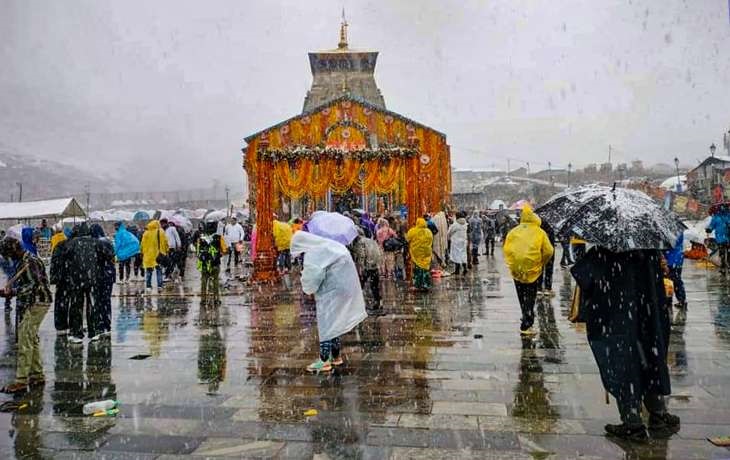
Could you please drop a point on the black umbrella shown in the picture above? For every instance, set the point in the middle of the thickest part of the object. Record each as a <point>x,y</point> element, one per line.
<point>618,219</point>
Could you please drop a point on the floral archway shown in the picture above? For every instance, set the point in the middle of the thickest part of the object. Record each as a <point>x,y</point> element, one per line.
<point>344,145</point>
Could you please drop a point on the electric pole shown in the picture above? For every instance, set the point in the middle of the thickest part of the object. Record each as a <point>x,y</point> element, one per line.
<point>20,191</point>
<point>88,200</point>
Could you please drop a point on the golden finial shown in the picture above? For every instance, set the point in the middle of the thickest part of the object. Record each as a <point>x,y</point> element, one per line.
<point>343,32</point>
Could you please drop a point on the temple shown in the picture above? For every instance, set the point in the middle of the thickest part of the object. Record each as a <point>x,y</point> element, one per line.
<point>343,71</point>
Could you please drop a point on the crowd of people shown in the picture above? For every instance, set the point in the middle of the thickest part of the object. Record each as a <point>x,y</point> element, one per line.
<point>85,264</point>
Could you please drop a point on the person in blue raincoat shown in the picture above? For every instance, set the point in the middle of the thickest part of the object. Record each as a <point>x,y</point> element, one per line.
<point>28,242</point>
<point>675,261</point>
<point>126,248</point>
<point>719,224</point>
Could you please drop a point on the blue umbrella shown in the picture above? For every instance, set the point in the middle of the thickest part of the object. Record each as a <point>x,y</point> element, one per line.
<point>140,216</point>
<point>332,225</point>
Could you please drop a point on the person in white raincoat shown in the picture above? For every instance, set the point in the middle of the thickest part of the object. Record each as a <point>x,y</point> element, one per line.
<point>329,273</point>
<point>457,236</point>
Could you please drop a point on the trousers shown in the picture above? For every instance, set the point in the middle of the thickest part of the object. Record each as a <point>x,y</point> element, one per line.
<point>527,294</point>
<point>29,347</point>
<point>330,349</point>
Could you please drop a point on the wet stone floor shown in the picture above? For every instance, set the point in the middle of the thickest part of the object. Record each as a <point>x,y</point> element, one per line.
<point>443,375</point>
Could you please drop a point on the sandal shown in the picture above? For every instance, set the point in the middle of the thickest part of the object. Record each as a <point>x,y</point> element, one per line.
<point>14,388</point>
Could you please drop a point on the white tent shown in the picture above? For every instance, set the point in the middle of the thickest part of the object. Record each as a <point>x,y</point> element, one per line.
<point>671,183</point>
<point>45,209</point>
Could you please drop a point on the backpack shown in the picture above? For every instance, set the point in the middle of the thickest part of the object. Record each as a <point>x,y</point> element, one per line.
<point>393,244</point>
<point>209,254</point>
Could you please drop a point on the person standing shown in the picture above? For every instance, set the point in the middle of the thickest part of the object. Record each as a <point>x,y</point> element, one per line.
<point>383,234</point>
<point>628,331</point>
<point>282,240</point>
<point>719,224</point>
<point>489,226</point>
<point>527,249</point>
<point>441,239</point>
<point>34,293</point>
<point>126,248</point>
<point>210,249</point>
<point>59,276</point>
<point>153,245</point>
<point>173,247</point>
<point>234,235</point>
<point>675,261</point>
<point>420,248</point>
<point>83,267</point>
<point>368,260</point>
<point>330,275</point>
<point>58,236</point>
<point>102,291</point>
<point>475,236</point>
<point>457,249</point>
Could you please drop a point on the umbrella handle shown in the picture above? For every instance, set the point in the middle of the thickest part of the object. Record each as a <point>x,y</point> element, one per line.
<point>607,400</point>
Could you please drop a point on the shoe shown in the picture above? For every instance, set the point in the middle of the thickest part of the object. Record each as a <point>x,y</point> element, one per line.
<point>14,388</point>
<point>106,334</point>
<point>682,305</point>
<point>95,338</point>
<point>663,425</point>
<point>320,366</point>
<point>528,332</point>
<point>375,312</point>
<point>548,293</point>
<point>62,332</point>
<point>337,361</point>
<point>628,432</point>
<point>75,340</point>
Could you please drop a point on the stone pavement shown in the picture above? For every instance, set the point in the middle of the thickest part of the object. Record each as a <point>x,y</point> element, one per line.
<point>443,375</point>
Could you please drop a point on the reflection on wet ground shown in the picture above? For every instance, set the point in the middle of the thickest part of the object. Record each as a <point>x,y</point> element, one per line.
<point>443,375</point>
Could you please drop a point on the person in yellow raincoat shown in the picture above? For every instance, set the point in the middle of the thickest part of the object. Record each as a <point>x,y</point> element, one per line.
<point>154,243</point>
<point>420,247</point>
<point>526,251</point>
<point>282,240</point>
<point>58,236</point>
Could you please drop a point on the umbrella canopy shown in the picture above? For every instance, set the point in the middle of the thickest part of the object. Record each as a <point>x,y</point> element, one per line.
<point>181,221</point>
<point>617,219</point>
<point>332,225</point>
<point>519,204</point>
<point>141,216</point>
<point>215,216</point>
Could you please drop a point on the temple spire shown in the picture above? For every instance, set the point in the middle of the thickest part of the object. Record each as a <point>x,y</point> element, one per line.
<point>343,32</point>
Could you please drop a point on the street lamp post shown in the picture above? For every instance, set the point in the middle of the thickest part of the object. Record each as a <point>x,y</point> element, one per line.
<point>679,181</point>
<point>712,150</point>
<point>570,168</point>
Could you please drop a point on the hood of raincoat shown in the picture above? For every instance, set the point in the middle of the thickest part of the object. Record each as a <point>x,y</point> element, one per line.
<point>282,235</point>
<point>56,239</point>
<point>461,221</point>
<point>528,216</point>
<point>420,244</point>
<point>27,241</point>
<point>126,245</point>
<point>527,248</point>
<point>329,273</point>
<point>97,231</point>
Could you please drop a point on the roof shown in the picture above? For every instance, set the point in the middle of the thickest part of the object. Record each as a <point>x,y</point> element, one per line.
<point>711,159</point>
<point>59,208</point>
<point>344,97</point>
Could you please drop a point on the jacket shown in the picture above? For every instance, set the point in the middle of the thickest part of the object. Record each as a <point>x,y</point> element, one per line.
<point>367,254</point>
<point>719,224</point>
<point>126,245</point>
<point>81,257</point>
<point>675,256</point>
<point>475,229</point>
<point>104,255</point>
<point>282,235</point>
<point>527,248</point>
<point>458,238</point>
<point>154,243</point>
<point>420,244</point>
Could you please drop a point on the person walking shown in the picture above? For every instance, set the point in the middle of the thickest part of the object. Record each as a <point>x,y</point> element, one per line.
<point>154,249</point>
<point>330,275</point>
<point>210,249</point>
<point>441,239</point>
<point>126,248</point>
<point>83,267</point>
<point>545,282</point>
<point>35,297</point>
<point>368,260</point>
<point>58,236</point>
<point>475,236</point>
<point>420,248</point>
<point>675,261</point>
<point>527,249</point>
<point>622,301</point>
<point>102,291</point>
<point>457,249</point>
<point>174,244</point>
<point>565,260</point>
<point>719,224</point>
<point>137,268</point>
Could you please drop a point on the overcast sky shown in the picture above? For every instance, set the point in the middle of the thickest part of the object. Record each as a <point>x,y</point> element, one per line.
<point>166,90</point>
